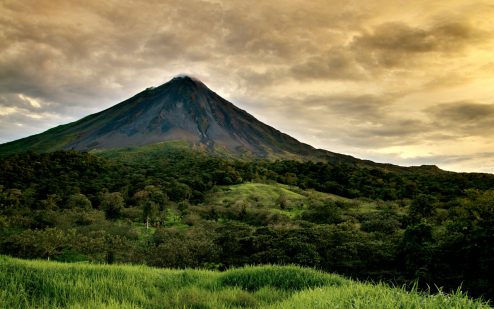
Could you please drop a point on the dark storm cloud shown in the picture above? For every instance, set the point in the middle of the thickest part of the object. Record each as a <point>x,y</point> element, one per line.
<point>281,31</point>
<point>388,45</point>
<point>358,107</point>
<point>337,63</point>
<point>249,78</point>
<point>390,131</point>
<point>393,44</point>
<point>357,120</point>
<point>463,112</point>
<point>399,129</point>
<point>464,118</point>
<point>398,36</point>
<point>452,79</point>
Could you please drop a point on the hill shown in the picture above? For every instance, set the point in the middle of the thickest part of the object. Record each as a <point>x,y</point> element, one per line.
<point>28,284</point>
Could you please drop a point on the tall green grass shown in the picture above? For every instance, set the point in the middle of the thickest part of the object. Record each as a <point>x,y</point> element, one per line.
<point>42,284</point>
<point>288,278</point>
<point>374,296</point>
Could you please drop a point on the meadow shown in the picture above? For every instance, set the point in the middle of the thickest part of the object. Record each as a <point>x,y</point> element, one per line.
<point>44,284</point>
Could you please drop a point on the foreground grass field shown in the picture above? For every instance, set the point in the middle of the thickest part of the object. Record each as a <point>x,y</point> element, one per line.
<point>42,284</point>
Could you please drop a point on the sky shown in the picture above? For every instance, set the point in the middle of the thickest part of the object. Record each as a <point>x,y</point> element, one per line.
<point>403,82</point>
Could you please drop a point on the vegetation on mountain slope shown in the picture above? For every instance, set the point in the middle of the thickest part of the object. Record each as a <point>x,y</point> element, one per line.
<point>172,207</point>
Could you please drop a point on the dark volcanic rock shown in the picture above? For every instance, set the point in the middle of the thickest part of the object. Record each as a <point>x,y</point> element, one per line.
<point>182,109</point>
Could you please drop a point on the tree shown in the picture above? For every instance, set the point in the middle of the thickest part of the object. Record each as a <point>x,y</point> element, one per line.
<point>325,212</point>
<point>282,201</point>
<point>290,179</point>
<point>423,206</point>
<point>417,248</point>
<point>79,201</point>
<point>112,204</point>
<point>3,222</point>
<point>102,246</point>
<point>51,202</point>
<point>194,247</point>
<point>10,198</point>
<point>150,212</point>
<point>178,191</point>
<point>46,243</point>
<point>152,200</point>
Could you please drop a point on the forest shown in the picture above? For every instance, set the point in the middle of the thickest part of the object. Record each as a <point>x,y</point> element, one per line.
<point>180,208</point>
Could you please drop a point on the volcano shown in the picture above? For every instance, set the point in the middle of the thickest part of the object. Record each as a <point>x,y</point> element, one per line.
<point>183,109</point>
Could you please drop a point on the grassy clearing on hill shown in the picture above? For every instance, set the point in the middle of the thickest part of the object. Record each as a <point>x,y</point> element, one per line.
<point>42,284</point>
<point>267,195</point>
<point>282,199</point>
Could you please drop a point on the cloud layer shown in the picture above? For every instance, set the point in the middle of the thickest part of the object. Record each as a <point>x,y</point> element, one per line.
<point>393,81</point>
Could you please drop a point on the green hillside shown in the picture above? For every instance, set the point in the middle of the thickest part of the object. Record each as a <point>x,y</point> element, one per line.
<point>266,195</point>
<point>175,208</point>
<point>276,198</point>
<point>41,284</point>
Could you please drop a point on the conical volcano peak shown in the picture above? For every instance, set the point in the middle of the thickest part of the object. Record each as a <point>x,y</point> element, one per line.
<point>182,109</point>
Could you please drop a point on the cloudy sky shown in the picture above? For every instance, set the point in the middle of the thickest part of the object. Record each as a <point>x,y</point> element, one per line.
<point>406,82</point>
